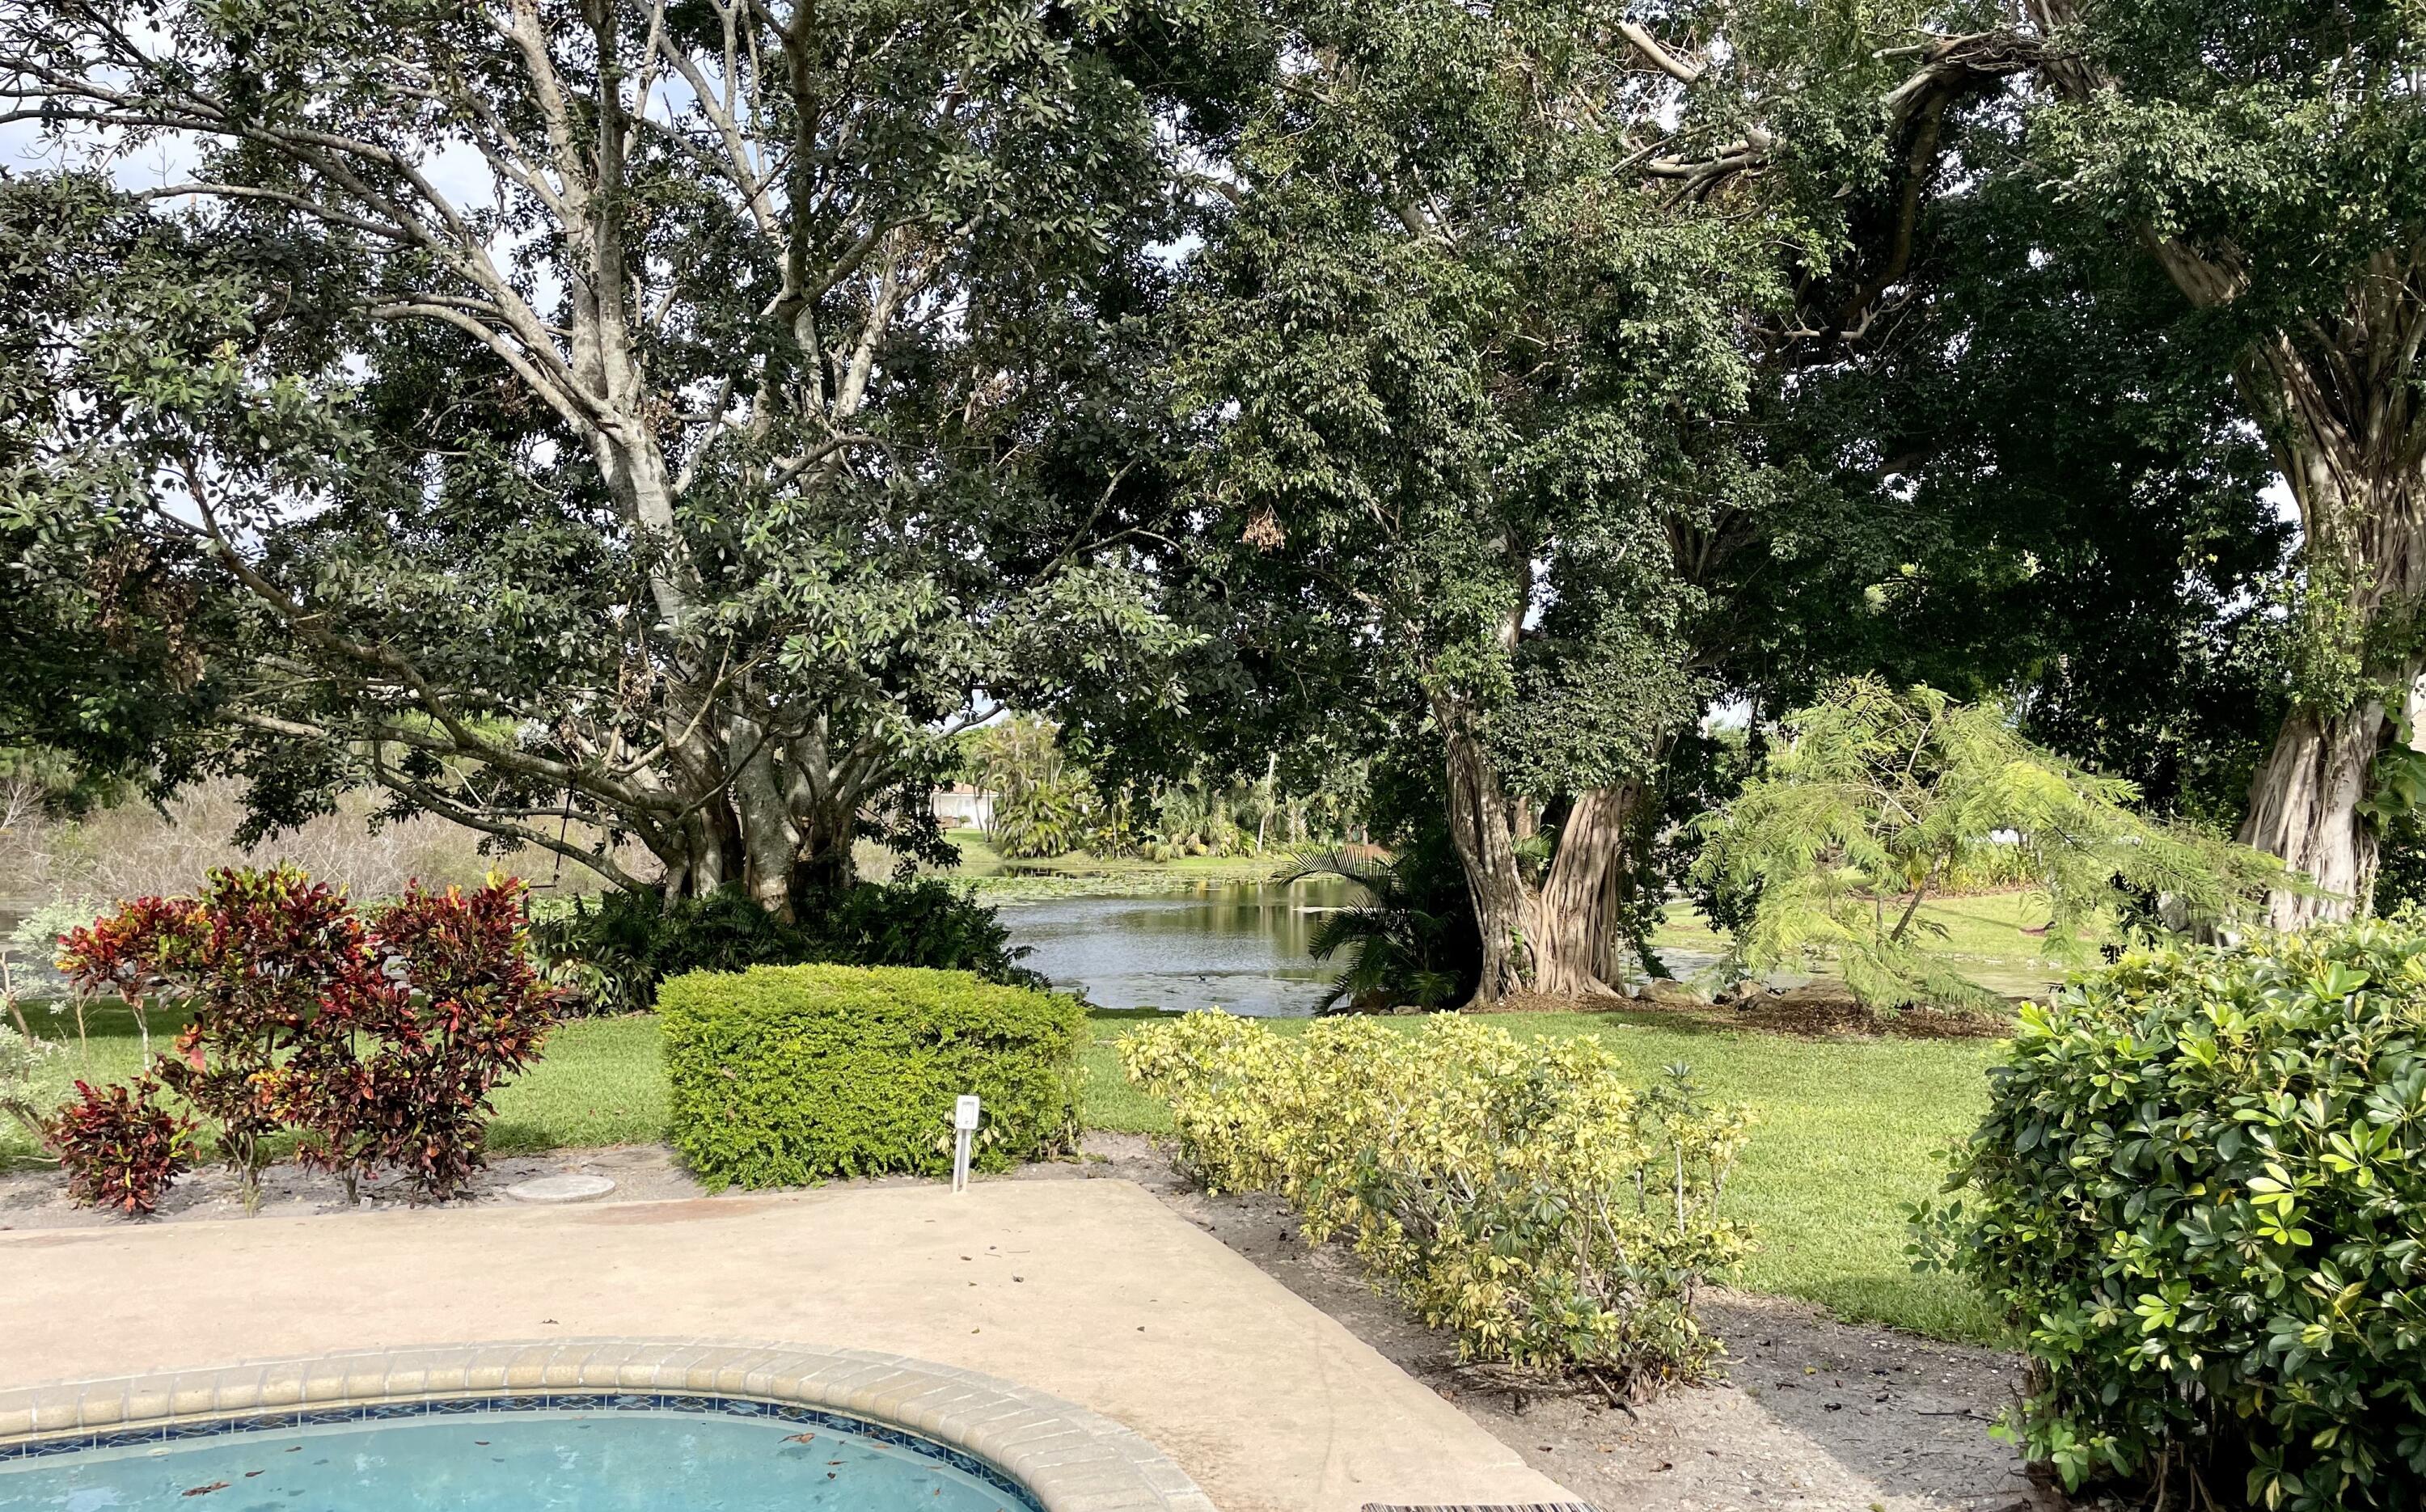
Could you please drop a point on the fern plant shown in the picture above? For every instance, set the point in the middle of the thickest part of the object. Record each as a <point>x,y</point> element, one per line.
<point>1878,801</point>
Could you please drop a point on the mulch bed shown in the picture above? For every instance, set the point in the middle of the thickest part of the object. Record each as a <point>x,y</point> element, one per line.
<point>1821,1015</point>
<point>1810,1013</point>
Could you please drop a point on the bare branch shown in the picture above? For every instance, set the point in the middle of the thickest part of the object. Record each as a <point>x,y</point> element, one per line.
<point>1659,57</point>
<point>426,796</point>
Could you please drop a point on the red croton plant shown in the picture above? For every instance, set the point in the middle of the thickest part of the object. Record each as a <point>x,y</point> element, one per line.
<point>121,1148</point>
<point>377,1041</point>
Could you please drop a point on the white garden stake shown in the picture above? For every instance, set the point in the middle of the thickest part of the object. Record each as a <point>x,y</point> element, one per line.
<point>965,1126</point>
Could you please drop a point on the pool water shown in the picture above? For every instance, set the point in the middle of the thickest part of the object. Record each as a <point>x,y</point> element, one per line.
<point>615,1461</point>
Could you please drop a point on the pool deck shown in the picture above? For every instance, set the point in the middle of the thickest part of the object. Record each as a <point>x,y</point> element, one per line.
<point>1092,1291</point>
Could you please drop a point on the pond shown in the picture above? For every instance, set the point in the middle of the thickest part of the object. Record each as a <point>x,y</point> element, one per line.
<point>1234,945</point>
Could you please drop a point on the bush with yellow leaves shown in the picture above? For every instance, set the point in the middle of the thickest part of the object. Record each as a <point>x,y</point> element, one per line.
<point>1519,1192</point>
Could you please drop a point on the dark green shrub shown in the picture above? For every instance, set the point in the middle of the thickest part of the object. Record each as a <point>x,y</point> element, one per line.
<point>1409,936</point>
<point>787,1074</point>
<point>921,922</point>
<point>2201,1190</point>
<point>621,945</point>
<point>618,946</point>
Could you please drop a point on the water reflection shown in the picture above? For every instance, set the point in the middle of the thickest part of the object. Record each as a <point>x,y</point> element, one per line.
<point>1239,946</point>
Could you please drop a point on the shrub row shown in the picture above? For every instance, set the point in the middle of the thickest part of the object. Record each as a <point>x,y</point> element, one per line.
<point>616,948</point>
<point>782,1076</point>
<point>2200,1192</point>
<point>1520,1194</point>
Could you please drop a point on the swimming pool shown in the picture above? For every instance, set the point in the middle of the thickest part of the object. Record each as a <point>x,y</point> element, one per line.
<point>628,1453</point>
<point>962,1442</point>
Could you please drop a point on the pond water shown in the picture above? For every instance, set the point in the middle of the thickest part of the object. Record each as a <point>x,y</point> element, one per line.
<point>1234,945</point>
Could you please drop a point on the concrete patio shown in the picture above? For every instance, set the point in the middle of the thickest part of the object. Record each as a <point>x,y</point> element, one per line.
<point>1092,1291</point>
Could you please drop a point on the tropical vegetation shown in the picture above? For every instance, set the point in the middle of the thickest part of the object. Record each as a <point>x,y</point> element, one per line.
<point>1556,460</point>
<point>1518,1193</point>
<point>1408,942</point>
<point>1872,802</point>
<point>1492,393</point>
<point>377,1041</point>
<point>2195,1195</point>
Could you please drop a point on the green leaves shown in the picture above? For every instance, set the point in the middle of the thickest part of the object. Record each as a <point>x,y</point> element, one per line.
<point>2200,1183</point>
<point>669,493</point>
<point>1518,1193</point>
<point>783,1075</point>
<point>1879,799</point>
<point>1466,379</point>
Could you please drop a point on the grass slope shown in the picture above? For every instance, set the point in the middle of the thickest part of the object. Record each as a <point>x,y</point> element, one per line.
<point>1848,1131</point>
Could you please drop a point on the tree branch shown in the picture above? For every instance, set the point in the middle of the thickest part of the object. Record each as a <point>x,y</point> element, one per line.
<point>430,798</point>
<point>1659,57</point>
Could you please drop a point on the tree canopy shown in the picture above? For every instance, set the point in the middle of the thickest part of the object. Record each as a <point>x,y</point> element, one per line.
<point>650,431</point>
<point>670,418</point>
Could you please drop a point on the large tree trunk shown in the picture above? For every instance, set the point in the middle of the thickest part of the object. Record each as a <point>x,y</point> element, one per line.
<point>1576,955</point>
<point>1480,824</point>
<point>2303,808</point>
<point>2348,436</point>
<point>1616,952</point>
<point>764,818</point>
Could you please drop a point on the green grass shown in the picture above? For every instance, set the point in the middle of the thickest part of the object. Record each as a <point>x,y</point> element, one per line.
<point>603,1082</point>
<point>1978,936</point>
<point>1847,1129</point>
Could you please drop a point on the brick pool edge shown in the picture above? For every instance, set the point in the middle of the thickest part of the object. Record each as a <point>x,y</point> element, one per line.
<point>1070,1459</point>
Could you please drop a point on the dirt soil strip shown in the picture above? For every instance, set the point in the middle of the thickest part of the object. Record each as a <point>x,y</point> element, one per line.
<point>1816,1416</point>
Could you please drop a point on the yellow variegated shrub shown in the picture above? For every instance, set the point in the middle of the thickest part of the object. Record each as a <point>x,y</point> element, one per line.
<point>1519,1192</point>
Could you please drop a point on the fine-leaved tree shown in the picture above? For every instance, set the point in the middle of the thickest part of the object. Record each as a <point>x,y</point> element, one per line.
<point>1874,801</point>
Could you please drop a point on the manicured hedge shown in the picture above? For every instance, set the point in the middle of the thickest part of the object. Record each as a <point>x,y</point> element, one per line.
<point>2201,1194</point>
<point>787,1075</point>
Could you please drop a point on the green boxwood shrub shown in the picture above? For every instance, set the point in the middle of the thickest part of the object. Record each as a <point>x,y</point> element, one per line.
<point>787,1075</point>
<point>2200,1191</point>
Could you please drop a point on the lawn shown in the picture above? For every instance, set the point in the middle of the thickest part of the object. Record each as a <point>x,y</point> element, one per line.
<point>1847,1129</point>
<point>1980,935</point>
